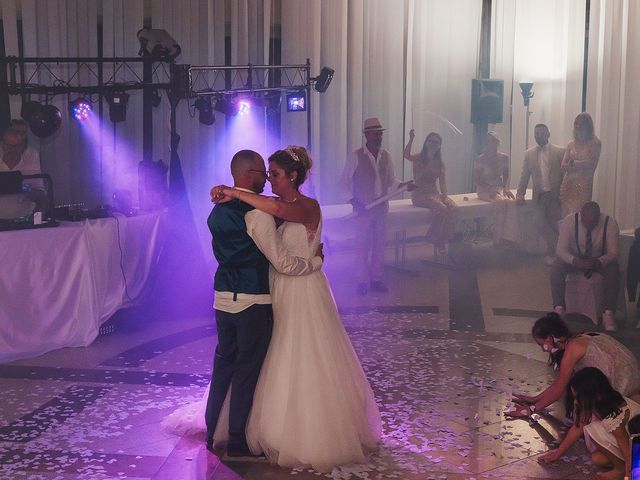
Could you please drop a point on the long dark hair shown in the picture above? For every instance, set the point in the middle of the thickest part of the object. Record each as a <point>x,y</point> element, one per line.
<point>551,325</point>
<point>588,121</point>
<point>593,394</point>
<point>423,153</point>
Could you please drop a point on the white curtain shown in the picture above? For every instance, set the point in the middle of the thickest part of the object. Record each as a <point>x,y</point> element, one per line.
<point>442,52</point>
<point>407,62</point>
<point>541,42</point>
<point>369,44</point>
<point>381,72</point>
<point>613,99</point>
<point>205,151</point>
<point>58,28</point>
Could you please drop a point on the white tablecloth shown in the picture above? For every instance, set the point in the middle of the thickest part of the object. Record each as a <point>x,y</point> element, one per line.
<point>58,285</point>
<point>339,232</point>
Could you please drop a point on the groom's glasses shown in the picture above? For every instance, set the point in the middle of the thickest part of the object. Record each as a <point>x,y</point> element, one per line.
<point>263,172</point>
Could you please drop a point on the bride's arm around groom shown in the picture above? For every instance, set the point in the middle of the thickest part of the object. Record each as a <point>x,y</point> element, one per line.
<point>261,227</point>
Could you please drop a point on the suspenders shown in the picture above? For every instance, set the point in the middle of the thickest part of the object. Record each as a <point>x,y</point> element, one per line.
<point>604,235</point>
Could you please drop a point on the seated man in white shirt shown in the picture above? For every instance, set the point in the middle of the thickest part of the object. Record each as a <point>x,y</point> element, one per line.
<point>16,155</point>
<point>588,243</point>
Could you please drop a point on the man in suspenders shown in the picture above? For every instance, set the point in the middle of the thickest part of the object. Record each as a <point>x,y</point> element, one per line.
<point>588,243</point>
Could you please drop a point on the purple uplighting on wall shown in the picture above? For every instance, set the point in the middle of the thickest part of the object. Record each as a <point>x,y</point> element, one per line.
<point>115,158</point>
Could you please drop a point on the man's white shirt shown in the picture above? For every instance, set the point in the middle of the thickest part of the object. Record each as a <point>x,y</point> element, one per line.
<point>352,164</point>
<point>545,168</point>
<point>567,249</point>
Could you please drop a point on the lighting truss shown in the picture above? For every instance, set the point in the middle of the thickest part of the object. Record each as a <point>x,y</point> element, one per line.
<point>213,80</point>
<point>101,75</point>
<point>64,75</point>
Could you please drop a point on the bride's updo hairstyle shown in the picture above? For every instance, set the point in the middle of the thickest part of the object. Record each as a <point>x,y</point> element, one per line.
<point>293,159</point>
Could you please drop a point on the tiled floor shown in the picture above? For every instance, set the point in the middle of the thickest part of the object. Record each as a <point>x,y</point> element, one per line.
<point>443,350</point>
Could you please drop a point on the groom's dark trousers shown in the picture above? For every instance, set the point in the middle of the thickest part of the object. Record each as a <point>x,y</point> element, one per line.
<point>243,340</point>
<point>243,311</point>
<point>243,333</point>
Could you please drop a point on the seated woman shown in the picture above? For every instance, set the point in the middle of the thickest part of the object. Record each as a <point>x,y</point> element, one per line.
<point>603,414</point>
<point>570,353</point>
<point>428,168</point>
<point>491,171</point>
<point>491,177</point>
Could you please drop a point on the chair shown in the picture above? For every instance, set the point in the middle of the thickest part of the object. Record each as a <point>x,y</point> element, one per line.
<point>585,295</point>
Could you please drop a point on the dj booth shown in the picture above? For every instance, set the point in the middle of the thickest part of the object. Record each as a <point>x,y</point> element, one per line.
<point>58,285</point>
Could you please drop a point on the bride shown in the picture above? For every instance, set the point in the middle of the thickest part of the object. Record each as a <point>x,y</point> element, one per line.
<point>313,404</point>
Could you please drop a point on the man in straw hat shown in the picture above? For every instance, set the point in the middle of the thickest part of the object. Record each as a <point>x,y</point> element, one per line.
<point>367,176</point>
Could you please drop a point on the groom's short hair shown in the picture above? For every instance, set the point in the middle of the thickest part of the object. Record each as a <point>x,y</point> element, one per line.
<point>243,160</point>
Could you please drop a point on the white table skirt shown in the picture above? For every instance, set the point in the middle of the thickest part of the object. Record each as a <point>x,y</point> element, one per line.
<point>58,285</point>
<point>339,229</point>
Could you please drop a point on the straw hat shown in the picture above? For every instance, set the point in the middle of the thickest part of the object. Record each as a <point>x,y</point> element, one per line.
<point>372,125</point>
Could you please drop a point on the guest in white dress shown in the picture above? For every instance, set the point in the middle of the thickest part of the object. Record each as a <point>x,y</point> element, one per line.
<point>603,414</point>
<point>571,353</point>
<point>491,177</point>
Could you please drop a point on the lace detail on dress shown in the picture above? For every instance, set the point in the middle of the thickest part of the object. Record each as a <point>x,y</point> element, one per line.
<point>612,423</point>
<point>288,236</point>
<point>613,359</point>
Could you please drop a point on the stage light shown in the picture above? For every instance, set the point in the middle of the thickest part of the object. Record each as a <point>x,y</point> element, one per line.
<point>80,108</point>
<point>296,102</point>
<point>322,81</point>
<point>117,106</point>
<point>227,105</point>
<point>205,112</point>
<point>45,121</point>
<point>525,90</point>
<point>244,106</point>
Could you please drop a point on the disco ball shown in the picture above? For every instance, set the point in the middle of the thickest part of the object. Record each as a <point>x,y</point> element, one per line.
<point>45,121</point>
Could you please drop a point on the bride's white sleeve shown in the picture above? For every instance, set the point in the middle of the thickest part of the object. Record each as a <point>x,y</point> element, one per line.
<point>261,227</point>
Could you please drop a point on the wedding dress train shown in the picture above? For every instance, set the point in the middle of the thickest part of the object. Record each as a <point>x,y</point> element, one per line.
<point>313,405</point>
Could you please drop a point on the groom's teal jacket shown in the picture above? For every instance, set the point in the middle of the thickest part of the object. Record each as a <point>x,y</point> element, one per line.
<point>242,268</point>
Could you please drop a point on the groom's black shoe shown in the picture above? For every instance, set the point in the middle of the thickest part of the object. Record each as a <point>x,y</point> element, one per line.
<point>239,452</point>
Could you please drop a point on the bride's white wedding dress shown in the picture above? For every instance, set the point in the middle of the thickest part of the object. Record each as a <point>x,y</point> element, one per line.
<point>313,404</point>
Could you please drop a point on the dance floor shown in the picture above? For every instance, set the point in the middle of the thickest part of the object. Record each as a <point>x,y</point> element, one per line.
<point>443,350</point>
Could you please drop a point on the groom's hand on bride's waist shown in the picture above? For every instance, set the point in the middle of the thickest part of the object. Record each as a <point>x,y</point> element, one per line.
<point>319,252</point>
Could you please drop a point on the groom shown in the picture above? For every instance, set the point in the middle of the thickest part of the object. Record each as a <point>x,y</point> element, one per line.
<point>244,243</point>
